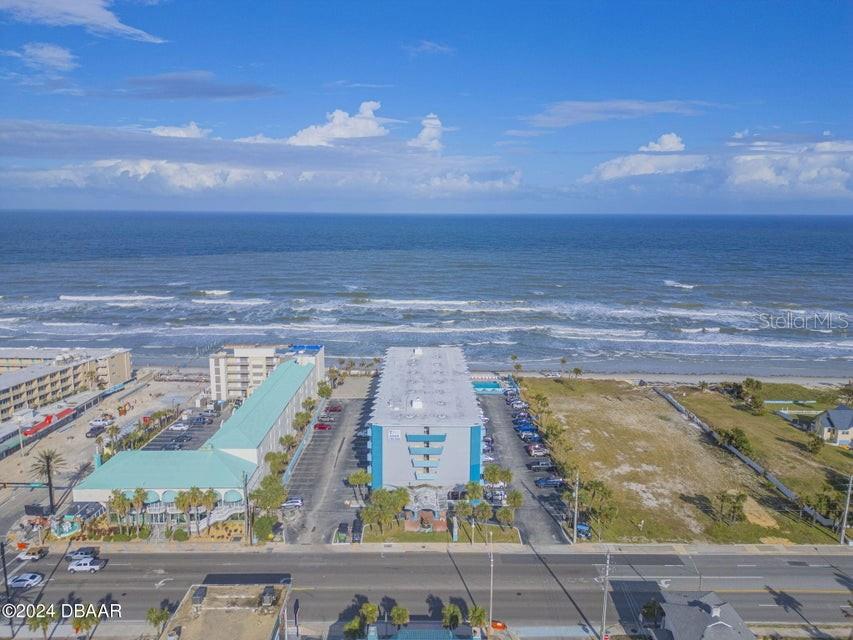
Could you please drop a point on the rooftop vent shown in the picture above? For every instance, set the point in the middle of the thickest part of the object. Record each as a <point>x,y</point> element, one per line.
<point>716,610</point>
<point>417,404</point>
<point>417,351</point>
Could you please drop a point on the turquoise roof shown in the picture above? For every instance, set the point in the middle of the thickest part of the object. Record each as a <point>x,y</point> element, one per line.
<point>248,426</point>
<point>204,468</point>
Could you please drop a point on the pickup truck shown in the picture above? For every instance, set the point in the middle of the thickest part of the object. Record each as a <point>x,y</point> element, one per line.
<point>33,554</point>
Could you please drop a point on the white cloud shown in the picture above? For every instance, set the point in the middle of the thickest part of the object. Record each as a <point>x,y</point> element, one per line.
<point>43,56</point>
<point>666,142</point>
<point>93,15</point>
<point>461,183</point>
<point>822,169</point>
<point>429,137</point>
<point>640,164</point>
<point>827,133</point>
<point>428,47</point>
<point>189,130</point>
<point>740,135</point>
<point>524,133</point>
<point>342,126</point>
<point>572,112</point>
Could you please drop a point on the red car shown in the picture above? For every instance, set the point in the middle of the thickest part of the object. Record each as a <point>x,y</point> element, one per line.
<point>334,408</point>
<point>322,426</point>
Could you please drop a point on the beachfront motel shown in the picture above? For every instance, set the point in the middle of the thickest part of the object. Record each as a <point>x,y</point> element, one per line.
<point>230,462</point>
<point>425,429</point>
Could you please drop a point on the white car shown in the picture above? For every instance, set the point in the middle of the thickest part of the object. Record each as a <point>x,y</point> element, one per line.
<point>26,580</point>
<point>363,433</point>
<point>86,564</point>
<point>179,426</point>
<point>101,422</point>
<point>33,553</point>
<point>488,457</point>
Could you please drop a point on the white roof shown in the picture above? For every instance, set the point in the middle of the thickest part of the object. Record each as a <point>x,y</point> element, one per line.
<point>425,387</point>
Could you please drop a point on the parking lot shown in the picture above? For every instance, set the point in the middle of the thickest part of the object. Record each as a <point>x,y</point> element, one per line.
<point>189,439</point>
<point>320,477</point>
<point>540,515</point>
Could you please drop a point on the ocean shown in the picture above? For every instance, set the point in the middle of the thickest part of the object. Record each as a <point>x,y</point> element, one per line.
<point>757,295</point>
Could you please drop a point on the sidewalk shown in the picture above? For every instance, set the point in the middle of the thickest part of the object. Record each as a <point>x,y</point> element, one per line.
<point>508,548</point>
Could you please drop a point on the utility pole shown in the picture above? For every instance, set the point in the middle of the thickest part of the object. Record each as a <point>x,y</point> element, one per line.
<point>575,517</point>
<point>605,582</point>
<point>6,584</point>
<point>491,577</point>
<point>842,536</point>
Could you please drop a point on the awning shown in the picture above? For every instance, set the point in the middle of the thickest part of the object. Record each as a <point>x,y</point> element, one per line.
<point>233,496</point>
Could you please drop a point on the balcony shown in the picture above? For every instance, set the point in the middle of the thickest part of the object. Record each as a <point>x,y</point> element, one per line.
<point>425,476</point>
<point>425,464</point>
<point>425,451</point>
<point>418,437</point>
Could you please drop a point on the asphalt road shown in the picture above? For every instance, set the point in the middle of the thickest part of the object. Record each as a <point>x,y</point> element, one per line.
<point>555,591</point>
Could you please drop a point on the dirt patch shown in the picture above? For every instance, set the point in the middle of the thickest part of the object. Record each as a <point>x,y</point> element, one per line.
<point>772,540</point>
<point>756,514</point>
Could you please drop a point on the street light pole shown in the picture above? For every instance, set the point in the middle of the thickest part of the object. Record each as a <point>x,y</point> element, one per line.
<point>491,578</point>
<point>842,536</point>
<point>6,584</point>
<point>604,597</point>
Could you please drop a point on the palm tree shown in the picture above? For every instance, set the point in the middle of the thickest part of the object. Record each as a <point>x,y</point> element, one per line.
<point>209,499</point>
<point>369,612</point>
<point>118,503</point>
<point>514,499</point>
<point>288,442</point>
<point>505,516</point>
<point>464,510</point>
<point>45,464</point>
<point>196,495</point>
<point>157,618</point>
<point>112,431</point>
<point>358,479</point>
<point>474,490</point>
<point>399,616</point>
<point>85,623</point>
<point>477,617</point>
<point>138,501</point>
<point>184,503</point>
<point>451,616</point>
<point>42,623</point>
<point>577,372</point>
<point>482,512</point>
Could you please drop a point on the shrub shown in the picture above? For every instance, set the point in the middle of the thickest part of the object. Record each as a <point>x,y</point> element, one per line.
<point>264,526</point>
<point>180,535</point>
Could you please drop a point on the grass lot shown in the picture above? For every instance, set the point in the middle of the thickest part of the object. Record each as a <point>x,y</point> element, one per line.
<point>664,474</point>
<point>779,446</point>
<point>481,534</point>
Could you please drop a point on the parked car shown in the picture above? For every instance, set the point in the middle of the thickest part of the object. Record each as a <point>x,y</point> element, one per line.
<point>293,502</point>
<point>179,426</point>
<point>537,451</point>
<point>182,438</point>
<point>101,422</point>
<point>86,564</point>
<point>33,554</point>
<point>525,427</point>
<point>541,465</point>
<point>488,457</point>
<point>334,408</point>
<point>362,433</point>
<point>82,552</point>
<point>357,529</point>
<point>531,437</point>
<point>173,446</point>
<point>322,426</point>
<point>94,432</point>
<point>25,580</point>
<point>495,486</point>
<point>328,417</point>
<point>548,483</point>
<point>584,531</point>
<point>519,404</point>
<point>457,495</point>
<point>210,413</point>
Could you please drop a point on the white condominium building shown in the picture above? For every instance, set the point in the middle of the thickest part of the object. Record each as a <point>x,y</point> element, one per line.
<point>238,369</point>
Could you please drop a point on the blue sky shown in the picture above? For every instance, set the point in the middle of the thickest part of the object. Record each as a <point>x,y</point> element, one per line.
<point>674,107</point>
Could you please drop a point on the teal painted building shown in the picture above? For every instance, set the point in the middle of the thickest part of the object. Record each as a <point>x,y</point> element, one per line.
<point>231,459</point>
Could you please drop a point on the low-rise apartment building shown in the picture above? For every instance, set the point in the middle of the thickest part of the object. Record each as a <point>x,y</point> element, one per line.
<point>31,378</point>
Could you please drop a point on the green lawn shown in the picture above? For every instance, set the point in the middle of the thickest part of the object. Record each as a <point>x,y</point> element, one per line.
<point>395,533</point>
<point>664,475</point>
<point>779,446</point>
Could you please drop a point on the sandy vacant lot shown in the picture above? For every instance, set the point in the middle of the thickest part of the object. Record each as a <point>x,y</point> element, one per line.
<point>664,474</point>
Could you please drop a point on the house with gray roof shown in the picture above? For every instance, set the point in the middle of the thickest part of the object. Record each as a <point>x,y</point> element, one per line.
<point>697,615</point>
<point>835,426</point>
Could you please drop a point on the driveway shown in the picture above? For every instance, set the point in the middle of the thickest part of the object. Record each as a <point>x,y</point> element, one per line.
<point>320,477</point>
<point>539,517</point>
